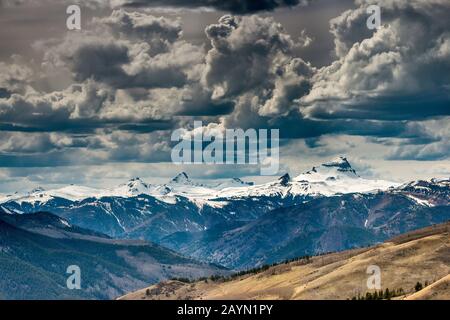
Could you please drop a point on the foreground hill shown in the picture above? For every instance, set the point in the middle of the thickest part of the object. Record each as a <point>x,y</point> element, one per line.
<point>420,256</point>
<point>36,249</point>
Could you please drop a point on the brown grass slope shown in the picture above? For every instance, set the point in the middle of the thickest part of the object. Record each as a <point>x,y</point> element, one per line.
<point>419,256</point>
<point>440,290</point>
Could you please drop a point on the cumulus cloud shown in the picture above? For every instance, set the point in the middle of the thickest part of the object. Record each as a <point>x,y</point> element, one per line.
<point>19,149</point>
<point>129,49</point>
<point>130,71</point>
<point>159,32</point>
<point>14,78</point>
<point>252,56</point>
<point>400,71</point>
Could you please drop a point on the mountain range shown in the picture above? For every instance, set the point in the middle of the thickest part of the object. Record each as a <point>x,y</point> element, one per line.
<point>319,225</point>
<point>140,210</point>
<point>241,225</point>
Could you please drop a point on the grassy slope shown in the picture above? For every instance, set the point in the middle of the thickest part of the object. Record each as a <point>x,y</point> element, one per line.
<point>422,255</point>
<point>440,290</point>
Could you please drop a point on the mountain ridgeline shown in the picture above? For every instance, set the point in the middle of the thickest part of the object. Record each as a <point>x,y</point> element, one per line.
<point>241,225</point>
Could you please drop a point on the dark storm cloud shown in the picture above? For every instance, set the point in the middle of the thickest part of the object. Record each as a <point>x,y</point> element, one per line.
<point>273,78</point>
<point>124,63</point>
<point>146,127</point>
<point>233,6</point>
<point>80,108</point>
<point>135,73</point>
<point>414,107</point>
<point>104,63</point>
<point>294,127</point>
<point>19,149</point>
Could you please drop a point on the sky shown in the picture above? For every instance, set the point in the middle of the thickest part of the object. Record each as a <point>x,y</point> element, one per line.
<point>97,106</point>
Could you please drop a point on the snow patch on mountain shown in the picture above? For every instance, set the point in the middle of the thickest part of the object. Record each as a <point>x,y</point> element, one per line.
<point>231,183</point>
<point>419,201</point>
<point>132,188</point>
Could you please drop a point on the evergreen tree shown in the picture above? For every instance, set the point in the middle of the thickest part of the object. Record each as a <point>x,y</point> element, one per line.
<point>375,295</point>
<point>418,286</point>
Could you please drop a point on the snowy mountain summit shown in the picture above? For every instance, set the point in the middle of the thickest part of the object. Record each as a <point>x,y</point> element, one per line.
<point>133,187</point>
<point>340,164</point>
<point>337,177</point>
<point>333,177</point>
<point>182,178</point>
<point>337,169</point>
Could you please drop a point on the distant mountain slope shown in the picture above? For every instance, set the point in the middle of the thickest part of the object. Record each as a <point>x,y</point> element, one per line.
<point>421,256</point>
<point>320,225</point>
<point>36,249</point>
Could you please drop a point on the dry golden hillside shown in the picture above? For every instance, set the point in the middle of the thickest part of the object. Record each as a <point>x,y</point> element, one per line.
<point>420,256</point>
<point>439,290</point>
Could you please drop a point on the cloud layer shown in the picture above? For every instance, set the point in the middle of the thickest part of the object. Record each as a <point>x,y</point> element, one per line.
<point>135,78</point>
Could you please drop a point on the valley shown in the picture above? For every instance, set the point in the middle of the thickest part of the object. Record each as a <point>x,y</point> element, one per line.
<point>36,250</point>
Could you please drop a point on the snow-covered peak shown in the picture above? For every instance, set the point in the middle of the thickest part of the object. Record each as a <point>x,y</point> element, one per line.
<point>285,179</point>
<point>132,188</point>
<point>36,190</point>
<point>137,183</point>
<point>340,164</point>
<point>181,178</point>
<point>426,183</point>
<point>333,177</point>
<point>74,192</point>
<point>240,182</point>
<point>232,183</point>
<point>71,192</point>
<point>336,169</point>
